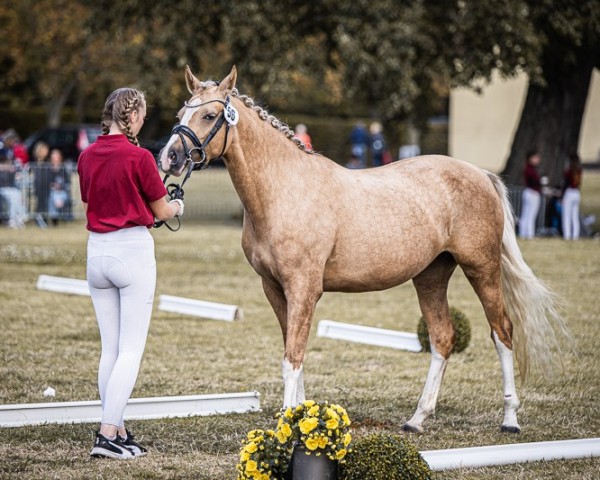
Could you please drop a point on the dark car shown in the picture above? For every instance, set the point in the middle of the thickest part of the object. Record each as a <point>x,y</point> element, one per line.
<point>71,140</point>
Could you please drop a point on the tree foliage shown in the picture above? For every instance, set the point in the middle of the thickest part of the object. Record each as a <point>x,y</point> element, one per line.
<point>392,59</point>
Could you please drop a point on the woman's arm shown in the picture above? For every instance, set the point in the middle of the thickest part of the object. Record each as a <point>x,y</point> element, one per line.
<point>164,210</point>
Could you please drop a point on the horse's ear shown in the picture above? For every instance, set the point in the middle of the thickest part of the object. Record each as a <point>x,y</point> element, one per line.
<point>228,83</point>
<point>193,84</point>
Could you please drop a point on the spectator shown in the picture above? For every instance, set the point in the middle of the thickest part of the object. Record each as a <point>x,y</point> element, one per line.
<point>301,133</point>
<point>59,178</point>
<point>41,183</point>
<point>354,162</point>
<point>10,193</point>
<point>377,144</point>
<point>531,196</point>
<point>11,145</point>
<point>359,143</point>
<point>571,199</point>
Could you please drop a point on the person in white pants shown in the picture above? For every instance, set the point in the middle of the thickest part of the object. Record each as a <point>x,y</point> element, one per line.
<point>531,196</point>
<point>571,199</point>
<point>122,192</point>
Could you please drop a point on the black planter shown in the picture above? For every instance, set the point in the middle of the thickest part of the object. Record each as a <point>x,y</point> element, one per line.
<point>311,467</point>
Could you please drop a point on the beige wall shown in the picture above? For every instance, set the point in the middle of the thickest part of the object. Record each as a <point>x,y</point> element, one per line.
<point>482,126</point>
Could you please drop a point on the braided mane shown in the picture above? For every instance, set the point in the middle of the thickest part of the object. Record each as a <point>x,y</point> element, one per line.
<point>266,116</point>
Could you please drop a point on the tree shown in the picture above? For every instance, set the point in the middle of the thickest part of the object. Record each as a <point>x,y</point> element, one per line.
<point>42,52</point>
<point>569,36</point>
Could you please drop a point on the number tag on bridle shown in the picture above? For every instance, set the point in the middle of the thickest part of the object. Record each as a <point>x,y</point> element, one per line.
<point>231,114</point>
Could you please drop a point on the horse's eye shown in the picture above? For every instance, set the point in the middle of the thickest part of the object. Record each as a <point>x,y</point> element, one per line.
<point>209,116</point>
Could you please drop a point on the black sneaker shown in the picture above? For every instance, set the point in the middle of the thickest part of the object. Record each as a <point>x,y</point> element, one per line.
<point>105,448</point>
<point>130,444</point>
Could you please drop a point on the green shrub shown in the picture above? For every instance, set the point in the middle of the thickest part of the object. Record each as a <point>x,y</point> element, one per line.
<point>462,328</point>
<point>384,456</point>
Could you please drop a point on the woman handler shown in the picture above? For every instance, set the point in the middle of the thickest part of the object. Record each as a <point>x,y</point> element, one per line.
<point>122,192</point>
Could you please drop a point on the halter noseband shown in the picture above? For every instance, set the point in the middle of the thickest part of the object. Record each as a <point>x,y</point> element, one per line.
<point>230,116</point>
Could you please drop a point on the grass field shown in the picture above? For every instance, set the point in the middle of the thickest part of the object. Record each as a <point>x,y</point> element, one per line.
<point>51,339</point>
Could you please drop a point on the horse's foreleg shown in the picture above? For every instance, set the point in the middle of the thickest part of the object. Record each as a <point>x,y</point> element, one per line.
<point>301,306</point>
<point>276,297</point>
<point>431,286</point>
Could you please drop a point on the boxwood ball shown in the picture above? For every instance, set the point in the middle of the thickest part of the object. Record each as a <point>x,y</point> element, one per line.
<point>462,328</point>
<point>384,456</point>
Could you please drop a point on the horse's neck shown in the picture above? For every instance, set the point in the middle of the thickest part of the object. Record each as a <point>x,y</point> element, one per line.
<point>262,164</point>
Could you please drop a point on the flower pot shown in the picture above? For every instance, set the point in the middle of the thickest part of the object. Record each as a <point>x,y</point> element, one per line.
<point>311,467</point>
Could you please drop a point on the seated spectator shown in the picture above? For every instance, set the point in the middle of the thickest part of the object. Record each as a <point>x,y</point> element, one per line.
<point>41,184</point>
<point>10,193</point>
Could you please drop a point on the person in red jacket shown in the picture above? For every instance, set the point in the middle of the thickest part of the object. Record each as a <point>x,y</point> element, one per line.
<point>531,196</point>
<point>122,193</point>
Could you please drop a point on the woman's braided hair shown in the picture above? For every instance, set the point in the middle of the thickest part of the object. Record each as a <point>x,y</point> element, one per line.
<point>118,108</point>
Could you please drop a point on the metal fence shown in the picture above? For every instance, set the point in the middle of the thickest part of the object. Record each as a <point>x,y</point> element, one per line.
<point>209,195</point>
<point>48,195</point>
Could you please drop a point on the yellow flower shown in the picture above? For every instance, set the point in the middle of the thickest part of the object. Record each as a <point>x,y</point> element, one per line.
<point>313,411</point>
<point>244,456</point>
<point>332,424</point>
<point>340,454</point>
<point>312,443</point>
<point>308,403</point>
<point>323,441</point>
<point>283,434</point>
<point>347,439</point>
<point>330,413</point>
<point>251,466</point>
<point>289,413</point>
<point>307,425</point>
<point>251,447</point>
<point>346,419</point>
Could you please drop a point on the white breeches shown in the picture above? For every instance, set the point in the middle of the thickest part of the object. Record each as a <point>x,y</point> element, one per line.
<point>121,272</point>
<point>529,213</point>
<point>570,213</point>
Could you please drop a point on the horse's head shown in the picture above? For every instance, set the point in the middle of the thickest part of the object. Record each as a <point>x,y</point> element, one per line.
<point>202,134</point>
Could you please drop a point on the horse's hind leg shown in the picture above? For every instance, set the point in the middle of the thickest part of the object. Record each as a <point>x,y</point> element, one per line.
<point>432,287</point>
<point>486,282</point>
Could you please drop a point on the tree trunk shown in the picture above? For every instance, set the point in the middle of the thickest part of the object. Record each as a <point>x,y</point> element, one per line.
<point>56,104</point>
<point>551,122</point>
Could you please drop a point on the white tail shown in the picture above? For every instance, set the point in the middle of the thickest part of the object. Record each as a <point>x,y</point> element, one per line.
<point>530,304</point>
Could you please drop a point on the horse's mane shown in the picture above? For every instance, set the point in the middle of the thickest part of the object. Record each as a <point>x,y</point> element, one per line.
<point>263,115</point>
<point>275,123</point>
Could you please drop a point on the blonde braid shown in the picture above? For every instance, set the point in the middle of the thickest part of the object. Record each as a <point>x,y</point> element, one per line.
<point>132,105</point>
<point>118,108</point>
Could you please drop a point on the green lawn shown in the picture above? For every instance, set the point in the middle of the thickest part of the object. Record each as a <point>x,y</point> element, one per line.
<point>51,339</point>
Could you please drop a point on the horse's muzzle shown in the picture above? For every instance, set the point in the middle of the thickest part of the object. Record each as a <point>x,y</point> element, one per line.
<point>172,161</point>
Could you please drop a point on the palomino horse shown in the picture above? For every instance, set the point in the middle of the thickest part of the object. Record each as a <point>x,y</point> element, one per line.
<point>312,226</point>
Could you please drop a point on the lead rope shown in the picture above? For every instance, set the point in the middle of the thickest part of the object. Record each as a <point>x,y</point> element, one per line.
<point>175,192</point>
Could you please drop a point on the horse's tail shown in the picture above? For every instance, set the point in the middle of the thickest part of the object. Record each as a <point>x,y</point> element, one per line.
<point>530,304</point>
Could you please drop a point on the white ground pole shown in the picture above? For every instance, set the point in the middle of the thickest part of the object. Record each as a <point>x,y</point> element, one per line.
<point>200,308</point>
<point>137,409</point>
<point>168,303</point>
<point>514,453</point>
<point>369,335</point>
<point>63,285</point>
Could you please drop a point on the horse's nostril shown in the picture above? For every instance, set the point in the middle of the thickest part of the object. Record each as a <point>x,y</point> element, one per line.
<point>172,157</point>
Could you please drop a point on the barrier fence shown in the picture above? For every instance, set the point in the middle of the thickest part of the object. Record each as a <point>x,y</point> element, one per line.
<point>47,195</point>
<point>52,195</point>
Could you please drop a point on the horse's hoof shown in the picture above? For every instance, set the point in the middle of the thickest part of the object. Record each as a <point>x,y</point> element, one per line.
<point>407,427</point>
<point>510,429</point>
